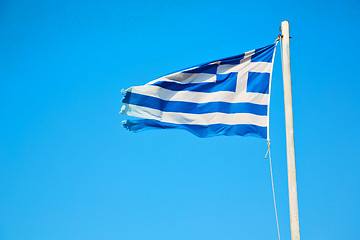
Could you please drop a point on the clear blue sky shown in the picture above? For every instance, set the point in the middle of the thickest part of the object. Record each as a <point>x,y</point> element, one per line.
<point>68,170</point>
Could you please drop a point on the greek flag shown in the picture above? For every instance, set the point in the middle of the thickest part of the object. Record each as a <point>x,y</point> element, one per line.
<point>229,96</point>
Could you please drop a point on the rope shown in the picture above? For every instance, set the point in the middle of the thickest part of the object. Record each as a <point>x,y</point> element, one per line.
<point>269,153</point>
<point>280,39</point>
<point>272,185</point>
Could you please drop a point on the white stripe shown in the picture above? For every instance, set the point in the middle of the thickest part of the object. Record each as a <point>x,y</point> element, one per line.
<point>199,97</point>
<point>189,118</point>
<point>246,67</point>
<point>184,78</point>
<point>268,109</point>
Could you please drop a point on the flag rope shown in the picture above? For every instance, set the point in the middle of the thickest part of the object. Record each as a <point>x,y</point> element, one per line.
<point>269,153</point>
<point>273,188</point>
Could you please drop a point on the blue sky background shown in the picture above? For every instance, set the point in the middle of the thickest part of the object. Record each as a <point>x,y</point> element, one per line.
<point>68,170</point>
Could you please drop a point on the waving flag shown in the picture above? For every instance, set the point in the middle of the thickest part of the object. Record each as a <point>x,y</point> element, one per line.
<point>229,96</point>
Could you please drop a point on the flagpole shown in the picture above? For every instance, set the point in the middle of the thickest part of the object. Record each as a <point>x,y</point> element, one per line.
<point>293,200</point>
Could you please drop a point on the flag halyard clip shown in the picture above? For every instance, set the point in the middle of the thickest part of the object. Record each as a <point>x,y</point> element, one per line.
<point>280,35</point>
<point>268,150</point>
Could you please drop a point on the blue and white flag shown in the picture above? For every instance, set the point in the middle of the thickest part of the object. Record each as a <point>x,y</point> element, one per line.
<point>229,96</point>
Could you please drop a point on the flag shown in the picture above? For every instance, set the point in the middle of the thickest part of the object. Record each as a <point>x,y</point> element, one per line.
<point>229,96</point>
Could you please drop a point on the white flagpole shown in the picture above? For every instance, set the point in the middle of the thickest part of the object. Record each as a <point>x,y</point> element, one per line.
<point>293,200</point>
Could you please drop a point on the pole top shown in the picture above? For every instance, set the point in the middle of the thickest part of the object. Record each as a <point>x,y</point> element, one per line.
<point>284,25</point>
<point>284,28</point>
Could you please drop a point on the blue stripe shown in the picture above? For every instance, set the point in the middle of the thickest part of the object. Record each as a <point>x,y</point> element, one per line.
<point>195,108</point>
<point>210,67</point>
<point>207,68</point>
<point>199,130</point>
<point>232,60</point>
<point>224,82</point>
<point>264,54</point>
